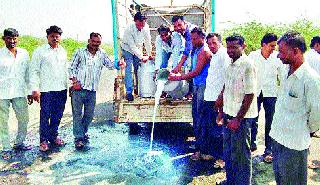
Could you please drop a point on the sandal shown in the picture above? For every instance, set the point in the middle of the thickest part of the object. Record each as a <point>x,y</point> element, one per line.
<point>312,165</point>
<point>268,158</point>
<point>44,146</point>
<point>59,142</point>
<point>206,157</point>
<point>219,164</point>
<point>22,147</point>
<point>196,156</point>
<point>79,144</point>
<point>6,155</point>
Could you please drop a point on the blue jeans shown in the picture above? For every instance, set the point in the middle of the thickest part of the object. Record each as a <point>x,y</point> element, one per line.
<point>237,155</point>
<point>289,166</point>
<point>269,107</point>
<point>82,99</point>
<point>197,114</point>
<point>211,133</point>
<point>52,105</point>
<point>131,60</point>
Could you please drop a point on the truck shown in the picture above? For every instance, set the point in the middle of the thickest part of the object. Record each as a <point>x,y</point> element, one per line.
<point>198,12</point>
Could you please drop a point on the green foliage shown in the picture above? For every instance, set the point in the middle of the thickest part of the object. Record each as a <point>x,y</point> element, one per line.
<point>70,45</point>
<point>251,31</point>
<point>254,31</point>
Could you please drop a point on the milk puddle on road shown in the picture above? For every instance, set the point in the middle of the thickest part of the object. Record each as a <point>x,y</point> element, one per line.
<point>116,157</point>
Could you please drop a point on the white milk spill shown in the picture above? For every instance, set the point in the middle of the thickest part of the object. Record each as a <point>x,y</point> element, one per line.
<point>160,87</point>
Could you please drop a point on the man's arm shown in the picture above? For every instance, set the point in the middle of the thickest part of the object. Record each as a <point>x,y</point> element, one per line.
<point>74,64</point>
<point>204,58</point>
<point>159,50</point>
<point>313,106</point>
<point>34,74</point>
<point>147,40</point>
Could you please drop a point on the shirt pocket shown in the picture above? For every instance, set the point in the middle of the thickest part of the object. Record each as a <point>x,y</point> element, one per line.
<point>294,103</point>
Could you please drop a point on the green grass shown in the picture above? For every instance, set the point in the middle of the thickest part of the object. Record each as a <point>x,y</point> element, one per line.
<point>254,31</point>
<point>70,45</point>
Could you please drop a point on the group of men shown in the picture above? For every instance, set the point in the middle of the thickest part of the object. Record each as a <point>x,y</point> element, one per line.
<point>45,79</point>
<point>228,89</point>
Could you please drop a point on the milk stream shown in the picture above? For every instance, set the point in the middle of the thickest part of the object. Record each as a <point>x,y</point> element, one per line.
<point>160,87</point>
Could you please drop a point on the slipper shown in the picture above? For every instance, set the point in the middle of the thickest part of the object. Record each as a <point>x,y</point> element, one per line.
<point>219,164</point>
<point>206,157</point>
<point>196,156</point>
<point>312,165</point>
<point>268,158</point>
<point>6,155</point>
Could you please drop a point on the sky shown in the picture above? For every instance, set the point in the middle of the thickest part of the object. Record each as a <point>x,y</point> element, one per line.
<point>78,18</point>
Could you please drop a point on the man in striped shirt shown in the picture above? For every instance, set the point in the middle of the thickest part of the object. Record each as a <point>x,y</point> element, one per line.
<point>85,72</point>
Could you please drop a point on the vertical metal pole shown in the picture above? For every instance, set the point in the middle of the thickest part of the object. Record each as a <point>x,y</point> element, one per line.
<point>115,33</point>
<point>213,12</point>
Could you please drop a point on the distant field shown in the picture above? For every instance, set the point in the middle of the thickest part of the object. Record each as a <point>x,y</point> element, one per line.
<point>252,32</point>
<point>31,43</point>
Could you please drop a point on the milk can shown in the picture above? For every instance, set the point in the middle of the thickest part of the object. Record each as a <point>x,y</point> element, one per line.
<point>147,86</point>
<point>176,89</point>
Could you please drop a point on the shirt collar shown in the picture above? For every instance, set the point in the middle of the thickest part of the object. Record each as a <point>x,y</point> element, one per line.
<point>49,47</point>
<point>300,71</point>
<point>239,61</point>
<point>7,51</point>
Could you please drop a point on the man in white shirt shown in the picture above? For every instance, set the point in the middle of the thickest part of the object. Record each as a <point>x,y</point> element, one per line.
<point>240,110</point>
<point>214,84</point>
<point>312,56</point>
<point>268,68</point>
<point>49,82</point>
<point>13,91</point>
<point>135,36</point>
<point>85,72</point>
<point>296,114</point>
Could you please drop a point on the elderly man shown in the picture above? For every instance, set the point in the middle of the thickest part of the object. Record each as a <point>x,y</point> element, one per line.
<point>13,91</point>
<point>49,83</point>
<point>135,36</point>
<point>296,114</point>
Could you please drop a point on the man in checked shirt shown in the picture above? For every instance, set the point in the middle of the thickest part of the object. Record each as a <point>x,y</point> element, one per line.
<point>85,72</point>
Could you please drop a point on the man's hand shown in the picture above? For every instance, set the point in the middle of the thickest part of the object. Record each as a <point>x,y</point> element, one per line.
<point>122,63</point>
<point>155,74</point>
<point>219,119</point>
<point>234,124</point>
<point>174,77</point>
<point>144,59</point>
<point>30,99</point>
<point>177,69</point>
<point>219,103</point>
<point>36,96</point>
